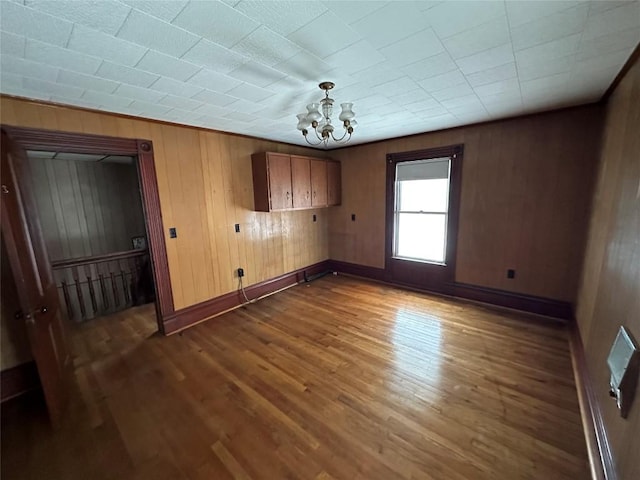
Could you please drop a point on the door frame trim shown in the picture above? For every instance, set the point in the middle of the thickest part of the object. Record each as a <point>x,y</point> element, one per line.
<point>142,150</point>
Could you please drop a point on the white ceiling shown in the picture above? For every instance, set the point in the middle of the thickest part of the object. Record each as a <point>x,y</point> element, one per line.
<point>250,66</point>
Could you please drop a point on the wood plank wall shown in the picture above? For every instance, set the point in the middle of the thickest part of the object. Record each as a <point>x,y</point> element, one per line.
<point>526,189</point>
<point>205,185</point>
<point>610,289</point>
<point>87,208</point>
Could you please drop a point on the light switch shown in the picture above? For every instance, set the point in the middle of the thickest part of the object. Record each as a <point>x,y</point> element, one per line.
<point>173,233</point>
<point>624,365</point>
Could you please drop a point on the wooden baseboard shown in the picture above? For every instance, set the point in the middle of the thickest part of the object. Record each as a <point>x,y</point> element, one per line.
<point>18,380</point>
<point>600,456</point>
<point>502,298</point>
<point>186,317</point>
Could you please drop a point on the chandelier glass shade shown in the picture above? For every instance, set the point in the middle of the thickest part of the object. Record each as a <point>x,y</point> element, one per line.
<point>318,118</point>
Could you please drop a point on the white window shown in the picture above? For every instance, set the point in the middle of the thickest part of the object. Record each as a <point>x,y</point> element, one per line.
<point>421,210</point>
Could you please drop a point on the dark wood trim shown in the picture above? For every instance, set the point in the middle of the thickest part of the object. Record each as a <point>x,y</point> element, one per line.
<point>365,271</point>
<point>189,316</point>
<point>433,276</point>
<point>18,380</point>
<point>502,298</point>
<point>600,456</point>
<point>517,301</point>
<point>635,57</point>
<point>155,231</point>
<point>51,140</point>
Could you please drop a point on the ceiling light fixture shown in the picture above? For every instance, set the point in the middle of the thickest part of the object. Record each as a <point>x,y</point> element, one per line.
<point>321,122</point>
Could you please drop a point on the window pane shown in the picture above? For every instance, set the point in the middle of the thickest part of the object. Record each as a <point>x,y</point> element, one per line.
<point>424,195</point>
<point>421,236</point>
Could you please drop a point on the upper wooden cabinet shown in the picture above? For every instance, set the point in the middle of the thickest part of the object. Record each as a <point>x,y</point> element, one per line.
<point>288,182</point>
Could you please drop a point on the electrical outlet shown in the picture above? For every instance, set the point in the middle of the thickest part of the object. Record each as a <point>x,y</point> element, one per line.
<point>353,217</point>
<point>240,272</point>
<point>173,233</point>
<point>314,217</point>
<point>237,228</point>
<point>511,273</point>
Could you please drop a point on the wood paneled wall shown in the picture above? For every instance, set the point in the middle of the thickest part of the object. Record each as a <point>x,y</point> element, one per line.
<point>526,189</point>
<point>205,185</point>
<point>87,208</point>
<point>610,289</point>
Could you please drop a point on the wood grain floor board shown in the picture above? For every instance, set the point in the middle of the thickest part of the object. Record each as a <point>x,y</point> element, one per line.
<point>336,379</point>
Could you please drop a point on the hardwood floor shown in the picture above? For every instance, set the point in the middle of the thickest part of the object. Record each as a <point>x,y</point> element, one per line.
<point>337,379</point>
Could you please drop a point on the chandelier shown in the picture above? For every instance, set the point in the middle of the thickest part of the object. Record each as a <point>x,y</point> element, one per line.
<point>321,122</point>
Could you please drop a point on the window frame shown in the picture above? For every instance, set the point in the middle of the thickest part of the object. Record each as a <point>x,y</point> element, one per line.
<point>416,272</point>
<point>396,220</point>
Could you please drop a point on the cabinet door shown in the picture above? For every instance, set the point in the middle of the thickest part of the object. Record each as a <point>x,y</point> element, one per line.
<point>334,178</point>
<point>301,181</point>
<point>318,183</point>
<point>279,181</point>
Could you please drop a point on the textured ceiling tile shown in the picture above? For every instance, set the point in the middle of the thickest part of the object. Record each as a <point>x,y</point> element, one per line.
<point>214,81</point>
<point>20,91</point>
<point>27,68</point>
<point>396,87</point>
<point>495,74</point>
<point>501,87</point>
<point>257,74</point>
<point>212,110</point>
<point>462,100</point>
<point>34,24</point>
<point>438,82</point>
<point>106,100</point>
<point>546,84</point>
<point>181,89</point>
<point>430,67</point>
<point>61,57</point>
<point>120,73</point>
<point>241,117</point>
<point>305,67</point>
<point>167,66</point>
<point>352,11</point>
<point>249,92</point>
<point>491,34</point>
<point>392,22</point>
<point>405,51</point>
<point>283,17</point>
<point>155,34</point>
<point>560,47</point>
<point>151,109</point>
<point>616,19</point>
<point>338,35</point>
<point>522,12</point>
<point>355,57</point>
<point>215,21</point>
<point>607,44</point>
<point>411,97</point>
<point>214,57</point>
<point>529,69</point>
<point>104,15</point>
<point>105,46</point>
<point>87,82</point>
<point>214,98</point>
<point>494,57</point>
<point>138,93</point>
<point>180,102</point>
<point>10,80</point>
<point>450,94</point>
<point>550,28</point>
<point>245,106</point>
<point>51,88</point>
<point>12,44</point>
<point>612,62</point>
<point>165,10</point>
<point>266,47</point>
<point>449,18</point>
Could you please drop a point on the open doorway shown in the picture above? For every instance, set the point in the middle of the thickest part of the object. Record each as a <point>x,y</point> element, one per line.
<point>26,246</point>
<point>93,225</point>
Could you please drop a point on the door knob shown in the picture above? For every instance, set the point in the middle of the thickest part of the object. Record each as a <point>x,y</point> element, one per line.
<point>44,310</point>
